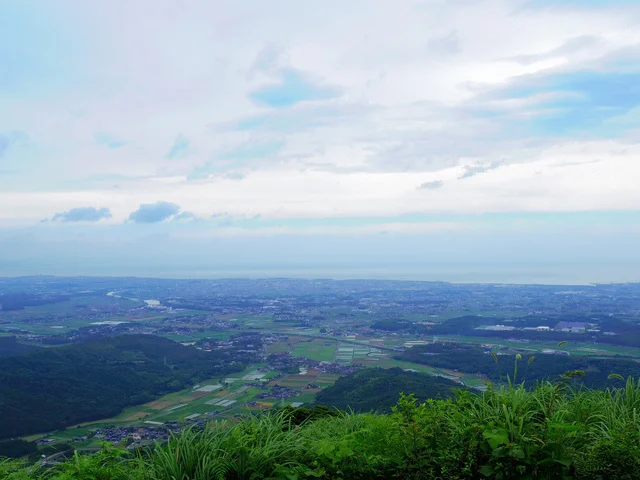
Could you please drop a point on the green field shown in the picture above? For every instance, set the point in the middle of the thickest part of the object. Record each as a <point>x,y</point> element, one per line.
<point>321,351</point>
<point>278,347</point>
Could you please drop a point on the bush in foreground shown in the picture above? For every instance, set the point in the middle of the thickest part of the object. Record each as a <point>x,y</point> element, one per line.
<point>549,432</point>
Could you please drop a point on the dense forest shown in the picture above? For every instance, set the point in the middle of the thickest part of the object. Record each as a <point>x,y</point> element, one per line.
<point>377,389</point>
<point>399,325</point>
<point>475,359</point>
<point>53,388</point>
<point>11,346</point>
<point>550,432</point>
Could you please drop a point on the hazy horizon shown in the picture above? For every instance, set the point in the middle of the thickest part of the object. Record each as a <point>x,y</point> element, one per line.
<point>513,274</point>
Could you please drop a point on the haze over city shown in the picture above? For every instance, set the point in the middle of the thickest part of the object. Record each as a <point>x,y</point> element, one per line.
<point>486,140</point>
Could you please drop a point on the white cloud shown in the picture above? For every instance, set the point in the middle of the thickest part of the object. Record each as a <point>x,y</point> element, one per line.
<point>599,176</point>
<point>412,75</point>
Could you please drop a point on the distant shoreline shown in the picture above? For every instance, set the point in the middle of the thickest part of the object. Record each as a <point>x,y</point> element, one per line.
<point>254,276</point>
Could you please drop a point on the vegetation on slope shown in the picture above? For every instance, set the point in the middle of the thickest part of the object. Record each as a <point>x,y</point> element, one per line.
<point>56,387</point>
<point>11,346</point>
<point>475,359</point>
<point>549,432</point>
<point>377,389</point>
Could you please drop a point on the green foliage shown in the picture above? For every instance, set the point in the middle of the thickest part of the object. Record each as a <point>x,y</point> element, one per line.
<point>377,389</point>
<point>260,447</point>
<point>475,359</point>
<point>552,431</point>
<point>17,448</point>
<point>399,325</point>
<point>108,464</point>
<point>617,457</point>
<point>53,388</point>
<point>11,346</point>
<point>15,470</point>
<point>300,415</point>
<point>353,446</point>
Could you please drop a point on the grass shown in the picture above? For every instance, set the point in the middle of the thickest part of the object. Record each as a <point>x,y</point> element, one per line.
<point>278,347</point>
<point>314,351</point>
<point>550,432</point>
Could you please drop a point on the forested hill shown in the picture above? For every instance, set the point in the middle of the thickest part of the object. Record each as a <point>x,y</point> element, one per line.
<point>53,388</point>
<point>11,346</point>
<point>377,389</point>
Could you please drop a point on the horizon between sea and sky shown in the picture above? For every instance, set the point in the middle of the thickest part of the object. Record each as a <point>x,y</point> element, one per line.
<point>488,140</point>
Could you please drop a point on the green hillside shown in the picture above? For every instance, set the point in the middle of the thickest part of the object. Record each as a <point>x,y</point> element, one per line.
<point>377,389</point>
<point>11,346</point>
<point>53,388</point>
<point>475,359</point>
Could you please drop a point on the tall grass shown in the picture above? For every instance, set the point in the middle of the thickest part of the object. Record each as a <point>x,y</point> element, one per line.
<point>552,431</point>
<point>258,447</point>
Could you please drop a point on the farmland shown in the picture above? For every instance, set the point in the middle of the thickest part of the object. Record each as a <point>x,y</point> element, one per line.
<point>320,350</point>
<point>314,332</point>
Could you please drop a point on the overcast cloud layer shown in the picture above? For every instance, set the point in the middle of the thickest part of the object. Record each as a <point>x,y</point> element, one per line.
<point>428,122</point>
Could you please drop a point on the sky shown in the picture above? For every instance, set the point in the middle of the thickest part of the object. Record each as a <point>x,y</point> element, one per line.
<point>462,140</point>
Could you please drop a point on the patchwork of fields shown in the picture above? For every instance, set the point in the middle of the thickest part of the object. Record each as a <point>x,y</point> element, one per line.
<point>249,391</point>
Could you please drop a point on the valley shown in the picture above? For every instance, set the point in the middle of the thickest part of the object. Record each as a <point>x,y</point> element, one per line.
<point>295,338</point>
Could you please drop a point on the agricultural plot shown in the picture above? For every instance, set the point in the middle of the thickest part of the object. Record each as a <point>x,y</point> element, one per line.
<point>254,376</point>
<point>348,352</point>
<point>326,379</point>
<point>213,399</point>
<point>301,380</point>
<point>364,361</point>
<point>293,381</point>
<point>344,353</point>
<point>260,406</point>
<point>319,350</point>
<point>278,347</point>
<point>208,388</point>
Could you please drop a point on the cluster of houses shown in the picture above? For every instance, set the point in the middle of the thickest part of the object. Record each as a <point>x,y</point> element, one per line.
<point>279,392</point>
<point>287,363</point>
<point>136,435</point>
<point>565,327</point>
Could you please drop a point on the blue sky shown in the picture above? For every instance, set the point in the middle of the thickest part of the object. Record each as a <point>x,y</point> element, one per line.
<point>370,136</point>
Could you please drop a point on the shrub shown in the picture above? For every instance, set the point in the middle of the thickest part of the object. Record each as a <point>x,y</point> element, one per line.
<point>552,431</point>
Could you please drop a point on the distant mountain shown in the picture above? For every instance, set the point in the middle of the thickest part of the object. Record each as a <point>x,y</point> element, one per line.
<point>378,389</point>
<point>53,388</point>
<point>19,300</point>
